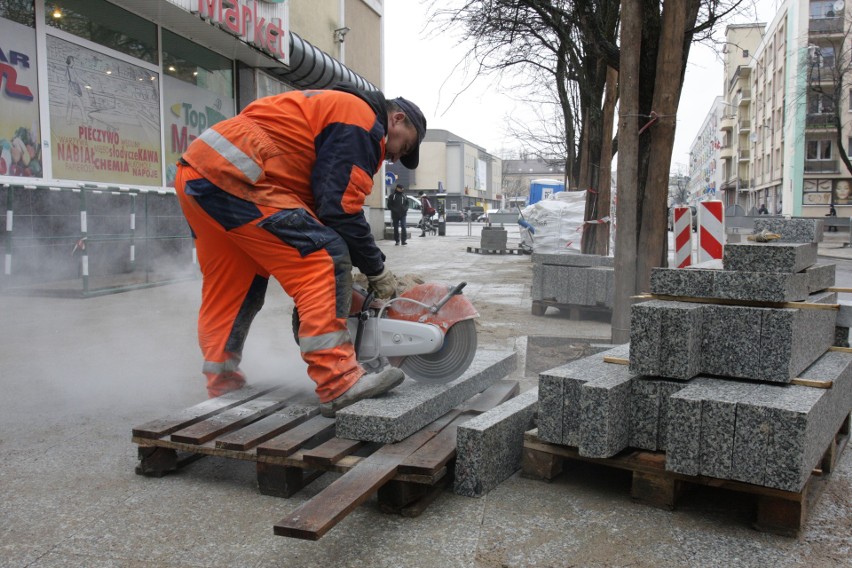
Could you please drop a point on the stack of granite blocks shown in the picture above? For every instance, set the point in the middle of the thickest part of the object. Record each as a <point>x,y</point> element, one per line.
<point>708,383</point>
<point>574,279</point>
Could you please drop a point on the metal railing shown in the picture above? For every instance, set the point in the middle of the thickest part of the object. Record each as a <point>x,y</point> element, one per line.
<point>83,241</point>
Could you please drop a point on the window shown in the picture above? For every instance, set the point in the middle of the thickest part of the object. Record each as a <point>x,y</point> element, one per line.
<point>819,150</point>
<point>820,103</point>
<point>20,11</point>
<point>745,53</point>
<point>106,24</point>
<point>821,9</point>
<point>198,92</point>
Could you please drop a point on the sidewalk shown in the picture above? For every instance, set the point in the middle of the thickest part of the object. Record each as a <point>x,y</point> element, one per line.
<point>77,375</point>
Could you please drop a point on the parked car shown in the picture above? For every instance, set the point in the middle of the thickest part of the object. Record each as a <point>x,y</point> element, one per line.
<point>694,218</point>
<point>476,213</point>
<point>413,216</point>
<point>454,216</point>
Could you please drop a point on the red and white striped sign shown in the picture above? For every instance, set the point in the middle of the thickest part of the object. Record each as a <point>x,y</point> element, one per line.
<point>683,236</point>
<point>711,230</point>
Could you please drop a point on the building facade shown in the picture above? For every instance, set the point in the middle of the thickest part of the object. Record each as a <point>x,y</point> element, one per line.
<point>101,97</point>
<point>787,105</point>
<point>466,173</point>
<point>705,172</point>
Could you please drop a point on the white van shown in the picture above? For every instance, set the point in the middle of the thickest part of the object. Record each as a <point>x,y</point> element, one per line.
<point>413,216</point>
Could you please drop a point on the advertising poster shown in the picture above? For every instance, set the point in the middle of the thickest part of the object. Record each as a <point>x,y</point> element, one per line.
<point>189,111</point>
<point>816,192</point>
<point>20,135</point>
<point>104,116</point>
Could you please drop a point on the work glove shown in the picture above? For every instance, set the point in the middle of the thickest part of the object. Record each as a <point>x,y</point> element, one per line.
<point>383,284</point>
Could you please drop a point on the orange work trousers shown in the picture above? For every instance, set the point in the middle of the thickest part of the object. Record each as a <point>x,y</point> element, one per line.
<point>239,245</point>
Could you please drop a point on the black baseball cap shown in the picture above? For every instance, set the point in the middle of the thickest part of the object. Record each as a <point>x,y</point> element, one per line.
<point>412,111</point>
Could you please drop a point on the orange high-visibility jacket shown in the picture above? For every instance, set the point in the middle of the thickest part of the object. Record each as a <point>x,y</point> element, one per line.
<point>316,150</point>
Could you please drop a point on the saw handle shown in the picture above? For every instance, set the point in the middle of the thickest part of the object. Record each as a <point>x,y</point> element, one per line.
<point>454,291</point>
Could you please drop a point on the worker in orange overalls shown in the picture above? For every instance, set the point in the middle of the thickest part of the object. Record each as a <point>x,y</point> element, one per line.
<point>279,190</point>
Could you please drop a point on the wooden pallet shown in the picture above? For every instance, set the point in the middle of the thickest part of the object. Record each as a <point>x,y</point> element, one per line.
<point>574,311</point>
<point>290,451</point>
<point>477,250</point>
<point>777,511</point>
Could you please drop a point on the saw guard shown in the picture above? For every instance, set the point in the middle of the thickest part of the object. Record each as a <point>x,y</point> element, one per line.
<point>457,309</point>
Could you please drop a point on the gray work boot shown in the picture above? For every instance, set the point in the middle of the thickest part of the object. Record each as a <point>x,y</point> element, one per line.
<point>368,386</point>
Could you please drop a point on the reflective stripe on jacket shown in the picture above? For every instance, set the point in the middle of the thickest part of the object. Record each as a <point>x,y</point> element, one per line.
<point>316,150</point>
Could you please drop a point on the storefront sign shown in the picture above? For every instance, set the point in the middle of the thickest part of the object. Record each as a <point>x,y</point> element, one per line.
<point>241,18</point>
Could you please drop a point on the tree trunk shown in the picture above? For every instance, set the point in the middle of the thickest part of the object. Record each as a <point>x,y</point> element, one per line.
<point>604,194</point>
<point>628,168</point>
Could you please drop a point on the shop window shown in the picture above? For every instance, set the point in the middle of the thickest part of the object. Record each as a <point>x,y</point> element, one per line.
<point>106,24</point>
<point>20,129</point>
<point>20,11</point>
<point>198,91</point>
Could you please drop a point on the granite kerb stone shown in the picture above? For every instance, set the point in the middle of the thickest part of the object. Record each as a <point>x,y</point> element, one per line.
<point>489,447</point>
<point>792,230</point>
<point>572,259</point>
<point>769,257</point>
<point>411,406</point>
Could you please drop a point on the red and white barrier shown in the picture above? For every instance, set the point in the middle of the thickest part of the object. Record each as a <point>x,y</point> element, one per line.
<point>683,236</point>
<point>711,230</point>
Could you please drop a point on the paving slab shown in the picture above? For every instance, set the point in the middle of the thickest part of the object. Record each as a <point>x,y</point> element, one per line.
<point>649,407</point>
<point>489,447</point>
<point>604,427</point>
<point>665,339</point>
<point>411,406</point>
<point>718,426</point>
<point>683,429</point>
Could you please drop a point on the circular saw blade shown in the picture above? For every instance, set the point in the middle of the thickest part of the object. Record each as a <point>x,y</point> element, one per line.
<point>450,361</point>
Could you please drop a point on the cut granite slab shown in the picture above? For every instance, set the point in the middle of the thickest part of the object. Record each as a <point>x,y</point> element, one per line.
<point>560,395</point>
<point>805,420</point>
<point>821,276</point>
<point>841,337</point>
<point>411,406</point>
<point>604,426</point>
<point>691,283</point>
<point>792,339</point>
<point>683,429</point>
<point>489,447</point>
<point>769,257</point>
<point>844,314</point>
<point>600,286</point>
<point>762,286</point>
<point>649,411</point>
<point>572,259</point>
<point>792,230</point>
<point>718,424</point>
<point>665,339</point>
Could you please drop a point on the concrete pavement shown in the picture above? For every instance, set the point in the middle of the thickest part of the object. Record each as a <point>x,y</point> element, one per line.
<point>77,375</point>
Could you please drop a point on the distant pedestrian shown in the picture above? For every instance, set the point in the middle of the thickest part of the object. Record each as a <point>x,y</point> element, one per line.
<point>763,210</point>
<point>426,212</point>
<point>398,205</point>
<point>832,212</point>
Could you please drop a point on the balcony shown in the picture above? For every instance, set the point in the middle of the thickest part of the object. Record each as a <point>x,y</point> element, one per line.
<point>745,125</point>
<point>744,97</point>
<point>826,26</point>
<point>727,122</point>
<point>744,155</point>
<point>821,167</point>
<point>819,121</point>
<point>726,153</point>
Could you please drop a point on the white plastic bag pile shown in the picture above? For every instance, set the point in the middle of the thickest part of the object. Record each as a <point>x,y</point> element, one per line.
<point>558,222</point>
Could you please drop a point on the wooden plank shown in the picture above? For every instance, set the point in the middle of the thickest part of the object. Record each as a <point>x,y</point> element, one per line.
<point>290,442</point>
<point>332,451</point>
<point>313,519</point>
<point>840,349</point>
<point>188,416</point>
<point>264,429</point>
<point>616,360</point>
<point>747,303</point>
<point>233,418</point>
<point>813,383</point>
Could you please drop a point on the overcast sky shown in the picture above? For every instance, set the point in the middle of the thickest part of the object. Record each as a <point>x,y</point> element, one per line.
<point>422,67</point>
